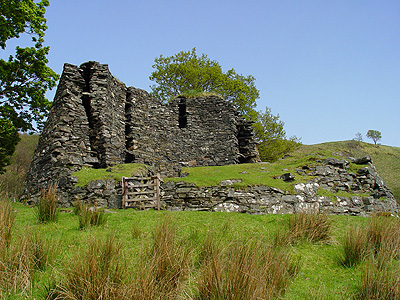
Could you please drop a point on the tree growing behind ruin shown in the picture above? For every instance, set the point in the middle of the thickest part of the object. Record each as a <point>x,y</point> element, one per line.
<point>24,76</point>
<point>271,137</point>
<point>187,71</point>
<point>190,74</point>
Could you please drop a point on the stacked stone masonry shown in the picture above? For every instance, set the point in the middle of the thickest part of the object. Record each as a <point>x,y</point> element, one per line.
<point>96,121</point>
<point>330,174</point>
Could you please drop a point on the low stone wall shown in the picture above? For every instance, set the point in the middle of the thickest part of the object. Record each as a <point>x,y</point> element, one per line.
<point>267,200</point>
<point>331,174</point>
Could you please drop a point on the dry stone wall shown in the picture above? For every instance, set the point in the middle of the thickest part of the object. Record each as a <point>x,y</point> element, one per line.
<point>96,121</point>
<point>330,174</point>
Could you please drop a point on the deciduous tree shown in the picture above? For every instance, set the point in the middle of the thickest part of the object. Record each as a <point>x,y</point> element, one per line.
<point>187,71</point>
<point>24,77</point>
<point>375,135</point>
<point>271,137</point>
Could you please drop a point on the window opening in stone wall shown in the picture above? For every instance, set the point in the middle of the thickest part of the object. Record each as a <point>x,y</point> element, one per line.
<point>182,114</point>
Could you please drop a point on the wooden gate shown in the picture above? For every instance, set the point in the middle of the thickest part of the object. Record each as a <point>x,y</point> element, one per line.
<point>141,192</point>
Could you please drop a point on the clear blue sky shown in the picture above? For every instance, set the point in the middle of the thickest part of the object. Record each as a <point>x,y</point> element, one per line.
<point>330,69</point>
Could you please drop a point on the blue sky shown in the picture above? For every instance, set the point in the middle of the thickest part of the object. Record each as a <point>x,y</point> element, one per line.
<point>330,69</point>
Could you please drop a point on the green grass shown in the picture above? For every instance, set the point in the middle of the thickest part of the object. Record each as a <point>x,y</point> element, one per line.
<point>321,275</point>
<point>247,174</point>
<point>86,174</point>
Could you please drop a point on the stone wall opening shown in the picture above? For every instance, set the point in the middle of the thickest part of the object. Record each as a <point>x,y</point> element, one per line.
<point>182,113</point>
<point>86,99</point>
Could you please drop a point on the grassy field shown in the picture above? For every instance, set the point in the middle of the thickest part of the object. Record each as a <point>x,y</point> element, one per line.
<point>321,274</point>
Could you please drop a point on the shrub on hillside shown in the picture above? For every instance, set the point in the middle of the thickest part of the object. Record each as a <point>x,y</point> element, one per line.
<point>97,272</point>
<point>165,266</point>
<point>7,217</point>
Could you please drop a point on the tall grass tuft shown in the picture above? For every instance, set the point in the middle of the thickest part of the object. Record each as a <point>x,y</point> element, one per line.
<point>384,235</point>
<point>166,265</point>
<point>355,247</point>
<point>96,273</point>
<point>380,239</point>
<point>28,254</point>
<point>7,217</point>
<point>380,279</point>
<point>311,226</point>
<point>136,231</point>
<point>47,205</point>
<point>245,270</point>
<point>89,216</point>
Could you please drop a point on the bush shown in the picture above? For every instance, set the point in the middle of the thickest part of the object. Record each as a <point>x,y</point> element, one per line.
<point>354,247</point>
<point>47,205</point>
<point>28,254</point>
<point>380,279</point>
<point>380,239</point>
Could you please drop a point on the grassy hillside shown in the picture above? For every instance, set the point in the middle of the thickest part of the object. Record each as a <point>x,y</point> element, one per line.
<point>385,158</point>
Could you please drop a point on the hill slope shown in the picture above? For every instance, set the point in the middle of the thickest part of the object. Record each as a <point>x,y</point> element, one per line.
<point>385,158</point>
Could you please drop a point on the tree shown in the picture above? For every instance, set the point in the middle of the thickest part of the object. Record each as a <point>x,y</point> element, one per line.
<point>271,137</point>
<point>186,71</point>
<point>24,78</point>
<point>8,140</point>
<point>358,137</point>
<point>375,135</point>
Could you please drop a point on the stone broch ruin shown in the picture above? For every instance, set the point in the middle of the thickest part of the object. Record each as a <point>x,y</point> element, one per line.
<point>96,121</point>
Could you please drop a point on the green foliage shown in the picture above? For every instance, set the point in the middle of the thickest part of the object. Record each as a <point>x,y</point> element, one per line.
<point>375,135</point>
<point>24,78</point>
<point>187,71</point>
<point>269,132</point>
<point>9,138</point>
